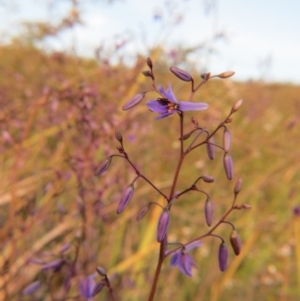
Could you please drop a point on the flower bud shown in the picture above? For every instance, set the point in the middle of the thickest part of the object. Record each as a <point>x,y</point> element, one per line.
<point>149,63</point>
<point>226,140</point>
<point>226,74</point>
<point>147,73</point>
<point>237,105</point>
<point>103,167</point>
<point>246,206</point>
<point>208,178</point>
<point>209,211</point>
<point>181,74</point>
<point>235,241</point>
<point>142,212</point>
<point>133,101</point>
<point>228,166</point>
<point>163,224</point>
<point>125,199</point>
<point>210,148</point>
<point>31,288</point>
<point>118,136</point>
<point>54,265</point>
<point>101,271</point>
<point>223,257</point>
<point>97,288</point>
<point>238,186</point>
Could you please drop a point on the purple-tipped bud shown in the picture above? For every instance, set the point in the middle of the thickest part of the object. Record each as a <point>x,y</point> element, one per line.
<point>237,105</point>
<point>103,167</point>
<point>97,289</point>
<point>208,178</point>
<point>211,148</point>
<point>223,257</point>
<point>226,140</point>
<point>226,74</point>
<point>101,271</point>
<point>147,73</point>
<point>238,186</point>
<point>181,74</point>
<point>142,212</point>
<point>31,288</point>
<point>125,199</point>
<point>209,211</point>
<point>236,243</point>
<point>228,166</point>
<point>149,63</point>
<point>118,136</point>
<point>65,248</point>
<point>163,224</point>
<point>135,100</point>
<point>54,265</point>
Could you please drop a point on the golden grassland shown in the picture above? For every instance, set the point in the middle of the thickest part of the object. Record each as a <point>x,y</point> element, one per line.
<point>58,117</point>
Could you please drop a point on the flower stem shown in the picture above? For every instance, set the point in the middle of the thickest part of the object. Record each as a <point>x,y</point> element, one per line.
<point>157,272</point>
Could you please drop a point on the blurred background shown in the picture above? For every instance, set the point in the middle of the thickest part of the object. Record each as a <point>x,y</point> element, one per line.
<point>67,68</point>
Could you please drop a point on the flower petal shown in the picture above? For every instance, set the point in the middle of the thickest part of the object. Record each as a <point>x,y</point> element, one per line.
<point>165,115</point>
<point>169,93</point>
<point>193,245</point>
<point>192,106</point>
<point>156,106</point>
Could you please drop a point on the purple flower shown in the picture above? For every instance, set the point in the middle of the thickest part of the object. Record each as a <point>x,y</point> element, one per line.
<point>87,286</point>
<point>169,105</point>
<point>183,260</point>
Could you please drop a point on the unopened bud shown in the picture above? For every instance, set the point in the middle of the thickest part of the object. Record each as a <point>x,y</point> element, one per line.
<point>118,136</point>
<point>246,206</point>
<point>228,166</point>
<point>238,186</point>
<point>226,74</point>
<point>223,257</point>
<point>142,212</point>
<point>101,271</point>
<point>235,241</point>
<point>31,288</point>
<point>103,167</point>
<point>181,74</point>
<point>208,178</point>
<point>125,199</point>
<point>147,73</point>
<point>209,211</point>
<point>185,136</point>
<point>163,224</point>
<point>237,105</point>
<point>54,265</point>
<point>97,289</point>
<point>149,63</point>
<point>211,148</point>
<point>226,140</point>
<point>135,100</point>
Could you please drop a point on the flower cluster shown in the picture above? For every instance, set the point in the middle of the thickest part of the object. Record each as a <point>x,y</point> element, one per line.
<point>165,105</point>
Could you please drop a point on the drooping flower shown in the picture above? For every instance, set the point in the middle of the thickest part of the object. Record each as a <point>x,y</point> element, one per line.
<point>87,286</point>
<point>169,105</point>
<point>183,260</point>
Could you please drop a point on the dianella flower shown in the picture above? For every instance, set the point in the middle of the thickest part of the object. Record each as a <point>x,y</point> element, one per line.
<point>183,260</point>
<point>169,105</point>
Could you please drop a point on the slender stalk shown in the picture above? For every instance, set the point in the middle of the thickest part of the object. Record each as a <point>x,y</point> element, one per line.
<point>180,159</point>
<point>157,271</point>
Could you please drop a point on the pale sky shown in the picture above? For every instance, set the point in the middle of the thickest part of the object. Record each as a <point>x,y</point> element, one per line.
<point>258,31</point>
